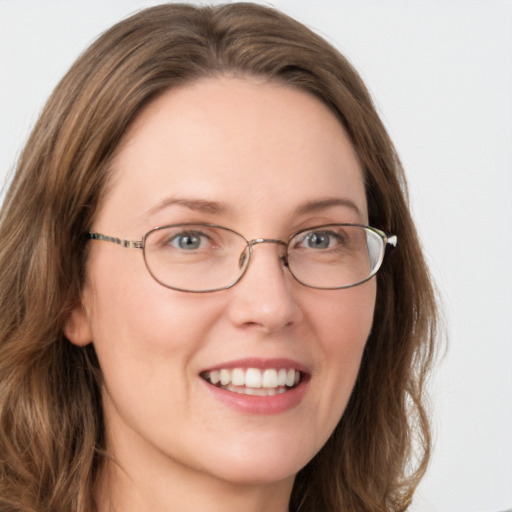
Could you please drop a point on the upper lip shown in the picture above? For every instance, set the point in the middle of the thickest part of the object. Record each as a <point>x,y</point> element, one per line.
<point>261,363</point>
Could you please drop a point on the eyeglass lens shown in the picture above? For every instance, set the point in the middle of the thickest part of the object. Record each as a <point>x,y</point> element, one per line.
<point>199,257</point>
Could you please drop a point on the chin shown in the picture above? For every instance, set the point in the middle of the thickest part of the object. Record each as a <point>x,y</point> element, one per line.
<point>262,462</point>
<point>248,474</point>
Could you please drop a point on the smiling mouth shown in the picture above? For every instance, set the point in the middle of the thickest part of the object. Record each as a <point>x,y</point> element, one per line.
<point>253,381</point>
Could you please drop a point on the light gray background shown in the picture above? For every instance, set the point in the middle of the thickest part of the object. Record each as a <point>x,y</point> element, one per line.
<point>441,75</point>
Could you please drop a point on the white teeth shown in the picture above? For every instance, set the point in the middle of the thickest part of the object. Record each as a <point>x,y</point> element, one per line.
<point>253,380</point>
<point>225,377</point>
<point>214,376</point>
<point>238,377</point>
<point>252,391</point>
<point>269,378</point>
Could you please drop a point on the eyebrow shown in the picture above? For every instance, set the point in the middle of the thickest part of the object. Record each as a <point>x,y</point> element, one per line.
<point>324,204</point>
<point>198,205</point>
<point>214,207</point>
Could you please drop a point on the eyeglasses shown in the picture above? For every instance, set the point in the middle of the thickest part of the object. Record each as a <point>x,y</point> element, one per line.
<point>206,257</point>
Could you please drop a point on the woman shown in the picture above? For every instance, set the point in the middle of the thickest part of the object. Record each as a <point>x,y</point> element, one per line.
<point>190,317</point>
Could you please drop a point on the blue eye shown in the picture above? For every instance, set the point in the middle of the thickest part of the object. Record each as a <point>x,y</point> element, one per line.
<point>188,240</point>
<point>319,240</point>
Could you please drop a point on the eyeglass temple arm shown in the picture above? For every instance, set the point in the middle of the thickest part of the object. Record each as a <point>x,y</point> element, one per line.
<point>129,244</point>
<point>391,240</point>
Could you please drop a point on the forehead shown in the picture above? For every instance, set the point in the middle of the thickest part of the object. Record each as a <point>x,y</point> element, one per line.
<point>244,143</point>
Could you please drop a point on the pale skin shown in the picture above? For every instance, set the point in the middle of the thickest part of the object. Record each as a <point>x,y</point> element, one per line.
<point>265,160</point>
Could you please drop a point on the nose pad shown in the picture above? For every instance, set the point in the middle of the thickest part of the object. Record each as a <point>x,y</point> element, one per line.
<point>244,257</point>
<point>284,257</point>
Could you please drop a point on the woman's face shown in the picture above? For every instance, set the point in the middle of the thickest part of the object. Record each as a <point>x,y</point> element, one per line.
<point>265,160</point>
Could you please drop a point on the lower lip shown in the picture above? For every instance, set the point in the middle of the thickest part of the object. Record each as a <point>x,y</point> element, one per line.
<point>252,404</point>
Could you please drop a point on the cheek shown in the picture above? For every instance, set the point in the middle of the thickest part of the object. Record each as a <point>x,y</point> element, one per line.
<point>136,323</point>
<point>126,303</point>
<point>344,319</point>
<point>146,340</point>
<point>353,327</point>
<point>141,327</point>
<point>343,324</point>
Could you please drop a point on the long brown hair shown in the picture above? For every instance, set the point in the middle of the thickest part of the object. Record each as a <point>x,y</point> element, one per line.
<point>51,427</point>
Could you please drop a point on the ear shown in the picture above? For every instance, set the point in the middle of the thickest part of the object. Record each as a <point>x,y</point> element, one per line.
<point>77,328</point>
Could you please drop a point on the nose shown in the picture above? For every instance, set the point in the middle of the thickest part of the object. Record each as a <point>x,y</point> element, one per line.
<point>265,298</point>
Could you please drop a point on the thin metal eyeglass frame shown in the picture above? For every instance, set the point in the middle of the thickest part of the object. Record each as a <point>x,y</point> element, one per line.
<point>389,241</point>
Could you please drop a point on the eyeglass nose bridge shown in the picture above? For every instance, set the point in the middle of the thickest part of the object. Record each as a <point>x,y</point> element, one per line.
<point>255,241</point>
